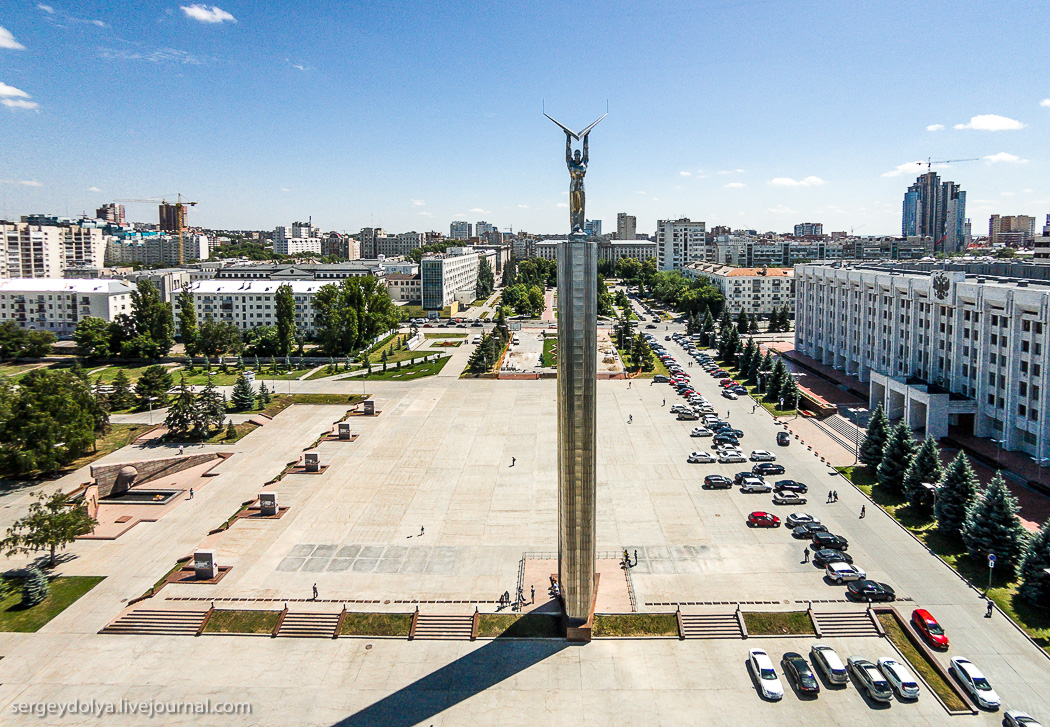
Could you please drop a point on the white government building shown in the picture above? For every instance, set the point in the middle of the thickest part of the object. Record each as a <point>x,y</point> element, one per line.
<point>938,347</point>
<point>58,304</point>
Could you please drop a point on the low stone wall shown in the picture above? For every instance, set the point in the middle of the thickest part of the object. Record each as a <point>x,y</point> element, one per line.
<point>105,475</point>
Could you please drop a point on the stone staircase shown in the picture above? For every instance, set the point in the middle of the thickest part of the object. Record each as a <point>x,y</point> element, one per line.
<point>434,626</point>
<point>146,621</point>
<point>711,626</point>
<point>845,623</point>
<point>306,625</point>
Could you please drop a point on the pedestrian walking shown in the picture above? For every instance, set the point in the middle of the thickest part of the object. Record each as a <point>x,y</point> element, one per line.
<point>629,384</point>
<point>513,460</point>
<point>862,512</point>
<point>989,609</point>
<point>533,594</point>
<point>805,554</point>
<point>315,591</point>
<point>630,418</point>
<point>191,493</point>
<point>635,558</point>
<point>626,559</point>
<point>663,403</point>
<point>727,413</point>
<point>420,531</point>
<point>829,498</point>
<point>182,450</point>
<point>753,407</point>
<point>836,494</point>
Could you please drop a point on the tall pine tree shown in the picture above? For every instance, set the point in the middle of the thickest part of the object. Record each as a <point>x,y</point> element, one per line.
<point>957,492</point>
<point>1035,580</point>
<point>778,380</point>
<point>896,458</point>
<point>925,468</point>
<point>992,526</point>
<point>875,440</point>
<point>243,396</point>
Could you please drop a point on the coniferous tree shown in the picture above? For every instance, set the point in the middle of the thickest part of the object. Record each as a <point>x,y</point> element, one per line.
<point>154,382</point>
<point>264,394</point>
<point>231,430</point>
<point>743,323</point>
<point>748,356</point>
<point>243,396</point>
<point>120,397</point>
<point>875,439</point>
<point>790,393</point>
<point>956,494</point>
<point>211,410</point>
<point>1035,580</point>
<point>755,365</point>
<point>765,367</point>
<point>35,588</point>
<point>925,467</point>
<point>992,526</point>
<point>778,380</point>
<point>284,302</point>
<point>182,414</point>
<point>896,458</point>
<point>774,320</point>
<point>707,328</point>
<point>188,322</point>
<point>752,324</point>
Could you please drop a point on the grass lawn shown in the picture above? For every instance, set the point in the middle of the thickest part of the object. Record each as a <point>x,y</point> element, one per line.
<point>527,626</point>
<point>201,378</point>
<point>415,311</point>
<point>65,590</point>
<point>636,624</point>
<point>402,355</point>
<point>919,663</point>
<point>550,352</point>
<point>376,624</point>
<point>444,335</point>
<point>406,373</point>
<point>484,315</point>
<point>17,371</point>
<point>449,344</point>
<point>766,623</point>
<point>280,403</point>
<point>324,373</point>
<point>658,366</point>
<point>119,435</point>
<point>949,547</point>
<point>242,622</point>
<point>133,372</point>
<point>243,430</point>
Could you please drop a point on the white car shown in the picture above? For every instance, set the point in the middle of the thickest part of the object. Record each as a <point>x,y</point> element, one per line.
<point>787,497</point>
<point>754,484</point>
<point>768,681</point>
<point>701,458</point>
<point>730,457</point>
<point>899,678</point>
<point>1017,718</point>
<point>701,432</point>
<point>730,395</point>
<point>800,518</point>
<point>974,681</point>
<point>840,573</point>
<point>761,455</point>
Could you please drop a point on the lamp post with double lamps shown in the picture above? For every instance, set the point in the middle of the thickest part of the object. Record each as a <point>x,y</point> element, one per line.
<point>998,449</point>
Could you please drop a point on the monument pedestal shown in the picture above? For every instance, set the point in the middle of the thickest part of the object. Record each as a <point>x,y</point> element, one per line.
<point>580,632</point>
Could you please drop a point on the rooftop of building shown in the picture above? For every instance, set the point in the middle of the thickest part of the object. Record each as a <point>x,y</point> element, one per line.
<point>63,285</point>
<point>255,287</point>
<point>401,276</point>
<point>730,271</point>
<point>987,271</point>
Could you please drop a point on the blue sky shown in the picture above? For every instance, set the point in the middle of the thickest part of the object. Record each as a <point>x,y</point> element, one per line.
<point>411,114</point>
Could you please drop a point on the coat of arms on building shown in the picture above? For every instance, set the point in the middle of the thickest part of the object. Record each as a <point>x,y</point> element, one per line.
<point>941,285</point>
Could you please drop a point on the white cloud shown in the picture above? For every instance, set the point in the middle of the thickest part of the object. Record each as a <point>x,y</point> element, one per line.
<point>686,174</point>
<point>905,168</point>
<point>789,182</point>
<point>1045,102</point>
<point>93,189</point>
<point>163,55</point>
<point>22,182</point>
<point>285,189</point>
<point>731,171</point>
<point>991,122</point>
<point>8,41</point>
<point>424,213</point>
<point>735,185</point>
<point>20,104</point>
<point>46,8</point>
<point>1005,157</point>
<point>782,210</point>
<point>298,65</point>
<point>479,211</point>
<point>935,127</point>
<point>6,90</point>
<point>1007,194</point>
<point>204,14</point>
<point>418,203</point>
<point>1028,191</point>
<point>523,206</point>
<point>639,191</point>
<point>561,204</point>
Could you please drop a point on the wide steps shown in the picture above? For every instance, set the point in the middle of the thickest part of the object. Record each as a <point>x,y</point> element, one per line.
<point>711,626</point>
<point>845,624</point>
<point>158,623</point>
<point>431,626</point>
<point>309,625</point>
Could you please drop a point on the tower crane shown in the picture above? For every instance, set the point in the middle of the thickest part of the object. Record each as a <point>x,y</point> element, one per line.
<point>180,215</point>
<point>930,161</point>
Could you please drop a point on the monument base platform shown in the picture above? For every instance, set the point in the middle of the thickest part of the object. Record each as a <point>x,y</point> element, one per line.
<point>580,633</point>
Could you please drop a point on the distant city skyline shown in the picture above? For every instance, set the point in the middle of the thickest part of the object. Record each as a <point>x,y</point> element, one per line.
<point>245,109</point>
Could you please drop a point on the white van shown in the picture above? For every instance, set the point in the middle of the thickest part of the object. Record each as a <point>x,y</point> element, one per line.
<point>515,340</point>
<point>476,338</point>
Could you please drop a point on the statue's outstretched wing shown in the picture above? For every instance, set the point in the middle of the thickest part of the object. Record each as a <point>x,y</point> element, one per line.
<point>585,131</point>
<point>567,130</point>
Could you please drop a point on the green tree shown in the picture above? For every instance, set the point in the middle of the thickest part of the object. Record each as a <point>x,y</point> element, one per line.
<point>350,315</point>
<point>243,397</point>
<point>875,440</point>
<point>925,467</point>
<point>51,524</point>
<point>92,337</point>
<point>774,320</point>
<point>154,382</point>
<point>743,323</point>
<point>537,300</point>
<point>182,415</point>
<point>231,430</point>
<point>752,324</point>
<point>896,458</point>
<point>18,342</point>
<point>284,302</point>
<point>605,302</point>
<point>264,394</point>
<point>958,489</point>
<point>216,338</point>
<point>262,341</point>
<point>35,588</point>
<point>778,380</point>
<point>790,393</point>
<point>992,526</point>
<point>750,353</point>
<point>707,329</point>
<point>643,354</point>
<point>188,322</point>
<point>486,279</point>
<point>1035,577</point>
<point>121,397</point>
<point>153,321</point>
<point>211,409</point>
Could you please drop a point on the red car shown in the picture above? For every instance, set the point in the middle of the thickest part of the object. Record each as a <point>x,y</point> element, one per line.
<point>927,625</point>
<point>763,520</point>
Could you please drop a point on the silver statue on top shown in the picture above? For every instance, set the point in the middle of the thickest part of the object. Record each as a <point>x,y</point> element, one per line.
<point>577,164</point>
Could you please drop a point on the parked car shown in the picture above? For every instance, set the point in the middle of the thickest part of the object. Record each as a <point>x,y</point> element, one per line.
<point>762,667</point>
<point>731,457</point>
<point>899,678</point>
<point>768,468</point>
<point>701,432</point>
<point>738,390</point>
<point>760,519</point>
<point>926,625</point>
<point>826,660</point>
<point>797,671</point>
<point>799,518</point>
<point>808,530</point>
<point>788,498</point>
<point>687,416</point>
<point>700,458</point>
<point>790,486</point>
<point>718,482</point>
<point>727,430</point>
<point>679,408</point>
<point>725,439</point>
<point>839,572</point>
<point>783,439</point>
<point>754,484</point>
<point>974,682</point>
<point>660,379</point>
<point>730,395</point>
<point>865,590</point>
<point>869,679</point>
<point>822,557</point>
<point>827,540</point>
<point>650,326</point>
<point>1017,718</point>
<point>761,455</point>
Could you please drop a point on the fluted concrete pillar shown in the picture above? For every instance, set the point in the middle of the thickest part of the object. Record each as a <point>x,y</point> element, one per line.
<point>577,374</point>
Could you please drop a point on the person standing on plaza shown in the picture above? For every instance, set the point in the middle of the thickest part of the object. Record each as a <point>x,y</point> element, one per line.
<point>315,591</point>
<point>862,512</point>
<point>805,554</point>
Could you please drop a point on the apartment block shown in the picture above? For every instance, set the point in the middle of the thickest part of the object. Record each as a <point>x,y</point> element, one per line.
<point>754,290</point>
<point>58,305</point>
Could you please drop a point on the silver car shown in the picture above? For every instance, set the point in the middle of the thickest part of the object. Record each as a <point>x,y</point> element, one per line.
<point>1017,718</point>
<point>899,678</point>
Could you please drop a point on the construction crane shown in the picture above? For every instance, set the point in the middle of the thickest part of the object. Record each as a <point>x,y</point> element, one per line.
<point>930,161</point>
<point>180,215</point>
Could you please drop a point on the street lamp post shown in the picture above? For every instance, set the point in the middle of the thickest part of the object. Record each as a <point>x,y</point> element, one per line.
<point>151,400</point>
<point>1039,462</point>
<point>998,449</point>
